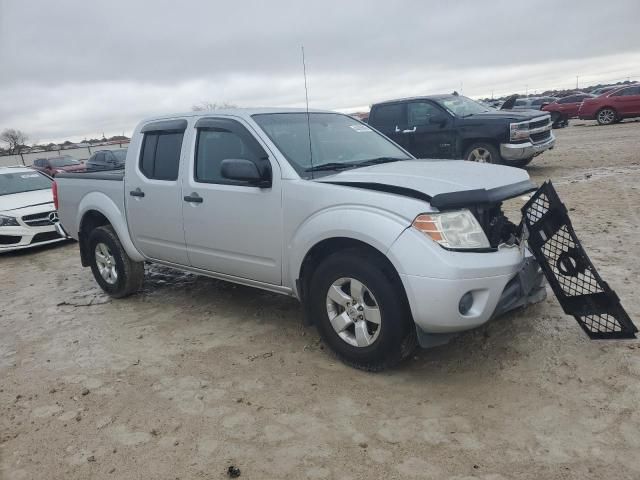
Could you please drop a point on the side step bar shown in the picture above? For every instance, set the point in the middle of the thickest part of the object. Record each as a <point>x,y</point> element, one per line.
<point>573,278</point>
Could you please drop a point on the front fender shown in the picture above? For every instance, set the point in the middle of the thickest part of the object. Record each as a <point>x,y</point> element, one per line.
<point>103,204</point>
<point>375,227</point>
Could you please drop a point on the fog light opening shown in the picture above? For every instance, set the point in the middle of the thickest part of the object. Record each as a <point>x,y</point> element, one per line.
<point>466,302</point>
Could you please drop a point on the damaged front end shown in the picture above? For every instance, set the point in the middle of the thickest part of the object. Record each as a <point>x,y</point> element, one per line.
<point>552,250</point>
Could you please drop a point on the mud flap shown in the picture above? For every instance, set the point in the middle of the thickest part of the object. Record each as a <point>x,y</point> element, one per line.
<point>573,278</point>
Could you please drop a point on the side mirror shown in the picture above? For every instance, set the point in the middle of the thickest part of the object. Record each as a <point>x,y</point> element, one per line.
<point>245,171</point>
<point>438,120</point>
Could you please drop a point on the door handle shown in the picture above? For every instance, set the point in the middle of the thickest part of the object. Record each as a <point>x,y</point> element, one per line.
<point>409,131</point>
<point>136,193</point>
<point>193,198</point>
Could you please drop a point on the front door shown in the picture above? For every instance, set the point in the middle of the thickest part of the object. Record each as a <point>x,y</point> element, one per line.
<point>153,193</point>
<point>232,227</point>
<point>627,101</point>
<point>430,132</point>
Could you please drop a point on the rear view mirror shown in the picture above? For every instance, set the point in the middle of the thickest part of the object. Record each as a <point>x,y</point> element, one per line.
<point>245,171</point>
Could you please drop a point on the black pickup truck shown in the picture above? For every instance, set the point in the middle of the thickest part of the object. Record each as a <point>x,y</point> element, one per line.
<point>454,126</point>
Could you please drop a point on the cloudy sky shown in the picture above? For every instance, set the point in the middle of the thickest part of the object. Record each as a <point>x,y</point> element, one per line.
<point>75,69</point>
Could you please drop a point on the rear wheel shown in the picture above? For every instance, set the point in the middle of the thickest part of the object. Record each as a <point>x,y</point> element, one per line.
<point>606,116</point>
<point>557,120</point>
<point>361,311</point>
<point>115,272</point>
<point>482,153</point>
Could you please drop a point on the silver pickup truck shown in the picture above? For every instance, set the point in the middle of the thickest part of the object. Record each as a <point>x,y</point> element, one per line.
<point>383,250</point>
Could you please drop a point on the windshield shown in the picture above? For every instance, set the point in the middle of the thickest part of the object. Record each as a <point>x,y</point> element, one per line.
<point>18,182</point>
<point>335,139</point>
<point>120,155</point>
<point>63,162</point>
<point>462,106</point>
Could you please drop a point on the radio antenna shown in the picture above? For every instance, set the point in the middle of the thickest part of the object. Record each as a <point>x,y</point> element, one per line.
<point>306,95</point>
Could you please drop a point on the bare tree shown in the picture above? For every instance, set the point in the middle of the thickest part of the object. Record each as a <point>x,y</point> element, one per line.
<point>15,139</point>
<point>203,106</point>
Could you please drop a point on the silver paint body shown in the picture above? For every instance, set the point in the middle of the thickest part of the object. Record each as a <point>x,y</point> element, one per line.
<point>260,237</point>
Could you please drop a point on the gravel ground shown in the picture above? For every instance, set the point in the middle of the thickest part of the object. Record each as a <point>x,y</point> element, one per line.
<point>194,375</point>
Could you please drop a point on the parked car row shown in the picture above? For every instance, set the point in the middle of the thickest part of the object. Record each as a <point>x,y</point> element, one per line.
<point>99,160</point>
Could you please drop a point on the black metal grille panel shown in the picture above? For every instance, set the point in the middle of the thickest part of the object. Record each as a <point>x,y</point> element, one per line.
<point>573,278</point>
<point>541,136</point>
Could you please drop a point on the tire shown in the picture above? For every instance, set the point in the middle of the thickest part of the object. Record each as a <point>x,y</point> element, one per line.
<point>556,119</point>
<point>120,275</point>
<point>482,153</point>
<point>361,343</point>
<point>606,116</point>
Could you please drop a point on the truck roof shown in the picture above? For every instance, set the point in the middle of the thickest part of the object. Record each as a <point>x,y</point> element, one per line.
<point>423,97</point>
<point>238,112</point>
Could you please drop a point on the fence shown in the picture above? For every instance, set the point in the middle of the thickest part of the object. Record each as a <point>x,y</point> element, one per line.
<point>81,153</point>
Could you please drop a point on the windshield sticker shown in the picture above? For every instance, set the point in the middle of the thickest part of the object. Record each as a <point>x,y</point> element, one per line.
<point>30,175</point>
<point>360,128</point>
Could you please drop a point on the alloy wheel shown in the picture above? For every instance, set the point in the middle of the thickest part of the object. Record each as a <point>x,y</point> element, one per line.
<point>480,155</point>
<point>106,263</point>
<point>606,116</point>
<point>353,312</point>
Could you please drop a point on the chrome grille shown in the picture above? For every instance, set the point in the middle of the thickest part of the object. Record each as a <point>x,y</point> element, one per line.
<point>38,219</point>
<point>539,123</point>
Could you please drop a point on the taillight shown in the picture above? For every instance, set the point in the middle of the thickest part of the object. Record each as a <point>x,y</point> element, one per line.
<point>54,189</point>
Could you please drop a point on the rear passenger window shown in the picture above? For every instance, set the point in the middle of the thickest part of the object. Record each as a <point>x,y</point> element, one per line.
<point>160,157</point>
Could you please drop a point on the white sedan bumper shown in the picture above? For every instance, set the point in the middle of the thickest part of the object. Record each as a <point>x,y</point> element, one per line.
<point>36,226</point>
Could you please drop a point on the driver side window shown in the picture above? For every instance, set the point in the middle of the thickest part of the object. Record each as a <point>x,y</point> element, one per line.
<point>224,140</point>
<point>421,112</point>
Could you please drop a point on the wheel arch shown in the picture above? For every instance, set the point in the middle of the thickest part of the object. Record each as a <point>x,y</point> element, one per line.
<point>468,142</point>
<point>95,210</point>
<point>324,248</point>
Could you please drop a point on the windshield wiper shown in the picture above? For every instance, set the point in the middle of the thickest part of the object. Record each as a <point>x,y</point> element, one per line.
<point>330,166</point>
<point>345,165</point>
<point>378,160</point>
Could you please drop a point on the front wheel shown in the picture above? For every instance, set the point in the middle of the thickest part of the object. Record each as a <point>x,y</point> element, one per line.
<point>115,272</point>
<point>360,311</point>
<point>606,116</point>
<point>482,153</point>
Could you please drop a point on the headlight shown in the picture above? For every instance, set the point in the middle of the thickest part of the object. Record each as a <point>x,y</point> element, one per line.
<point>8,221</point>
<point>519,131</point>
<point>457,230</point>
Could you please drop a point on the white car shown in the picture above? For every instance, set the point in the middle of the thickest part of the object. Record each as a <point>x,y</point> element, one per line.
<point>27,215</point>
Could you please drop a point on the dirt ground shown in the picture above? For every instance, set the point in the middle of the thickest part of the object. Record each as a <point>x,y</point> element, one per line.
<point>194,375</point>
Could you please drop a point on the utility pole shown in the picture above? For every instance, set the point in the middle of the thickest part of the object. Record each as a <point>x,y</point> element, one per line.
<point>576,82</point>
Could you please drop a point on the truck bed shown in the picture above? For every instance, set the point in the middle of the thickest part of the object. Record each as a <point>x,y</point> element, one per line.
<point>88,188</point>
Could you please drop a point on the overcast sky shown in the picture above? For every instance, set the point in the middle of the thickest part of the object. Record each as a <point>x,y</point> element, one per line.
<point>75,69</point>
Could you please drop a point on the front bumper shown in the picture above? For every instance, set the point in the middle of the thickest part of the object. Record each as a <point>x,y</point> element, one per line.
<point>435,302</point>
<point>521,151</point>
<point>21,237</point>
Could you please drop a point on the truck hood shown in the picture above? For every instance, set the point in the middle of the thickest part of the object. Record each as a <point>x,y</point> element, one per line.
<point>438,180</point>
<point>16,201</point>
<point>511,115</point>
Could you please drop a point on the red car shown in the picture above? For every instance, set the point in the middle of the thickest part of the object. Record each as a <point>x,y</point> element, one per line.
<point>565,108</point>
<point>613,106</point>
<point>53,165</point>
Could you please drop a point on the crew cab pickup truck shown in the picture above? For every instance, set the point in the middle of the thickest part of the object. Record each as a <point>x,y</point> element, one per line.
<point>454,126</point>
<point>381,248</point>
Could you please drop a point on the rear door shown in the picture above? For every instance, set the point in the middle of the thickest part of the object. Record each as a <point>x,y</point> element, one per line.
<point>153,193</point>
<point>430,132</point>
<point>232,227</point>
<point>391,120</point>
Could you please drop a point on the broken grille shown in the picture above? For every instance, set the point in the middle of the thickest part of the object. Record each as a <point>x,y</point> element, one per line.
<point>573,278</point>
